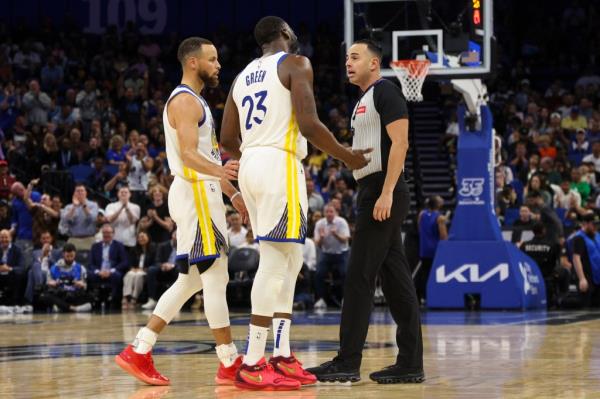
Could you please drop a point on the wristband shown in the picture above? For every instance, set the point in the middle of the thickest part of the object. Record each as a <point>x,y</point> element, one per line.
<point>234,195</point>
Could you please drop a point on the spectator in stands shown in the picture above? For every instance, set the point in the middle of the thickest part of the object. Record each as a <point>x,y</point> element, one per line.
<point>547,216</point>
<point>315,200</point>
<point>94,150</point>
<point>6,180</point>
<point>5,218</point>
<point>120,179</point>
<point>519,163</point>
<point>140,164</point>
<point>547,255</point>
<point>87,102</point>
<point>45,218</point>
<point>116,153</point>
<point>13,272</point>
<point>78,219</point>
<point>594,128</point>
<point>236,234</point>
<point>581,186</point>
<point>546,147</point>
<point>538,183</point>
<point>165,270</point>
<point>574,121</point>
<point>37,104</point>
<point>431,225</point>
<point>66,156</point>
<point>157,221</point>
<point>586,260</point>
<point>554,124</point>
<point>531,169</point>
<point>43,259</point>
<point>332,234</point>
<point>108,264</point>
<point>588,175</point>
<point>52,75</point>
<point>564,194</point>
<point>594,157</point>
<point>49,153</point>
<point>22,221</point>
<point>507,198</point>
<point>524,222</point>
<point>580,146</point>
<point>143,257</point>
<point>130,108</point>
<point>547,169</point>
<point>123,215</point>
<point>65,117</point>
<point>78,147</point>
<point>99,175</point>
<point>66,284</point>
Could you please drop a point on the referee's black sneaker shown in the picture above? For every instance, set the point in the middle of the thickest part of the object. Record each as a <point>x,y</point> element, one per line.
<point>396,374</point>
<point>335,371</point>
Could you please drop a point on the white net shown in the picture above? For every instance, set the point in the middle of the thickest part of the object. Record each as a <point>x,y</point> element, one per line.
<point>411,74</point>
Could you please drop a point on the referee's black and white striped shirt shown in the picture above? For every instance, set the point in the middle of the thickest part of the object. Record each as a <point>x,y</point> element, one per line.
<point>382,103</point>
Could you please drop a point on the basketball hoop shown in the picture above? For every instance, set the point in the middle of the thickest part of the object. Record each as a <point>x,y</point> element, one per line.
<point>411,74</point>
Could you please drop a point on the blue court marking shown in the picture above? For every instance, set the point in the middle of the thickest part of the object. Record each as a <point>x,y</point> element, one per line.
<point>70,350</point>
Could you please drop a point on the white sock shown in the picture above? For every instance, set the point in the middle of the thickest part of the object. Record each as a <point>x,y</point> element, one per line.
<point>281,337</point>
<point>144,341</point>
<point>227,354</point>
<point>255,348</point>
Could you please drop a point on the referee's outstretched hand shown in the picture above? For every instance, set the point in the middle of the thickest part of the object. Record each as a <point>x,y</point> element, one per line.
<point>358,160</point>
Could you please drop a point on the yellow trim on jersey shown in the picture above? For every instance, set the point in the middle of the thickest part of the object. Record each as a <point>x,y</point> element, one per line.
<point>211,248</point>
<point>203,213</point>
<point>293,203</point>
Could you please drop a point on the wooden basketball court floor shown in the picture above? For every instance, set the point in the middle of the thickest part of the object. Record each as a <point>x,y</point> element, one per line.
<point>467,355</point>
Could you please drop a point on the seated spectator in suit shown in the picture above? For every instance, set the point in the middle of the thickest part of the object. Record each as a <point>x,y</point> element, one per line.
<point>43,258</point>
<point>143,256</point>
<point>165,270</point>
<point>12,270</point>
<point>108,264</point>
<point>66,286</point>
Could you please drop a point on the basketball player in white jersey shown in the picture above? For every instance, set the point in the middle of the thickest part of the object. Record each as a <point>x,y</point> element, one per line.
<point>270,103</point>
<point>196,206</point>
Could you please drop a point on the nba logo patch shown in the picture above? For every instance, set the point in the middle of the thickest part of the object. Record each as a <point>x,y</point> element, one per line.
<point>361,110</point>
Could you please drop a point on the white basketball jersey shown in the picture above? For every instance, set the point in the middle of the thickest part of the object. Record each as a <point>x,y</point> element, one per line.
<point>265,108</point>
<point>208,146</point>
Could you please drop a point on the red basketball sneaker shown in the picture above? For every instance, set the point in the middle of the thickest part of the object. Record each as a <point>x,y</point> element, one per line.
<point>262,376</point>
<point>292,368</point>
<point>226,375</point>
<point>140,366</point>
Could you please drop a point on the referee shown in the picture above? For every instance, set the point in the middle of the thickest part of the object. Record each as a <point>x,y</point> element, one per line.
<point>379,121</point>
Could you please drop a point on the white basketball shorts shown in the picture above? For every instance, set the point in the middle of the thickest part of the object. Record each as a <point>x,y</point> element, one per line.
<point>273,185</point>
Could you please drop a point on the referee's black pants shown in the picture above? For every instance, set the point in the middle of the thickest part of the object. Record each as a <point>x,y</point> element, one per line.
<point>377,247</point>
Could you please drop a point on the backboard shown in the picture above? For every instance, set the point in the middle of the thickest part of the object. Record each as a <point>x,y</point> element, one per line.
<point>455,35</point>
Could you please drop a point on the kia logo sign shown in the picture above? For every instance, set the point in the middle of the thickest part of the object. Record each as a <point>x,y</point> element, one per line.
<point>473,275</point>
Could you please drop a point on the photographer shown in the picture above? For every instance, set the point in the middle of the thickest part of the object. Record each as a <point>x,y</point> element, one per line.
<point>65,286</point>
